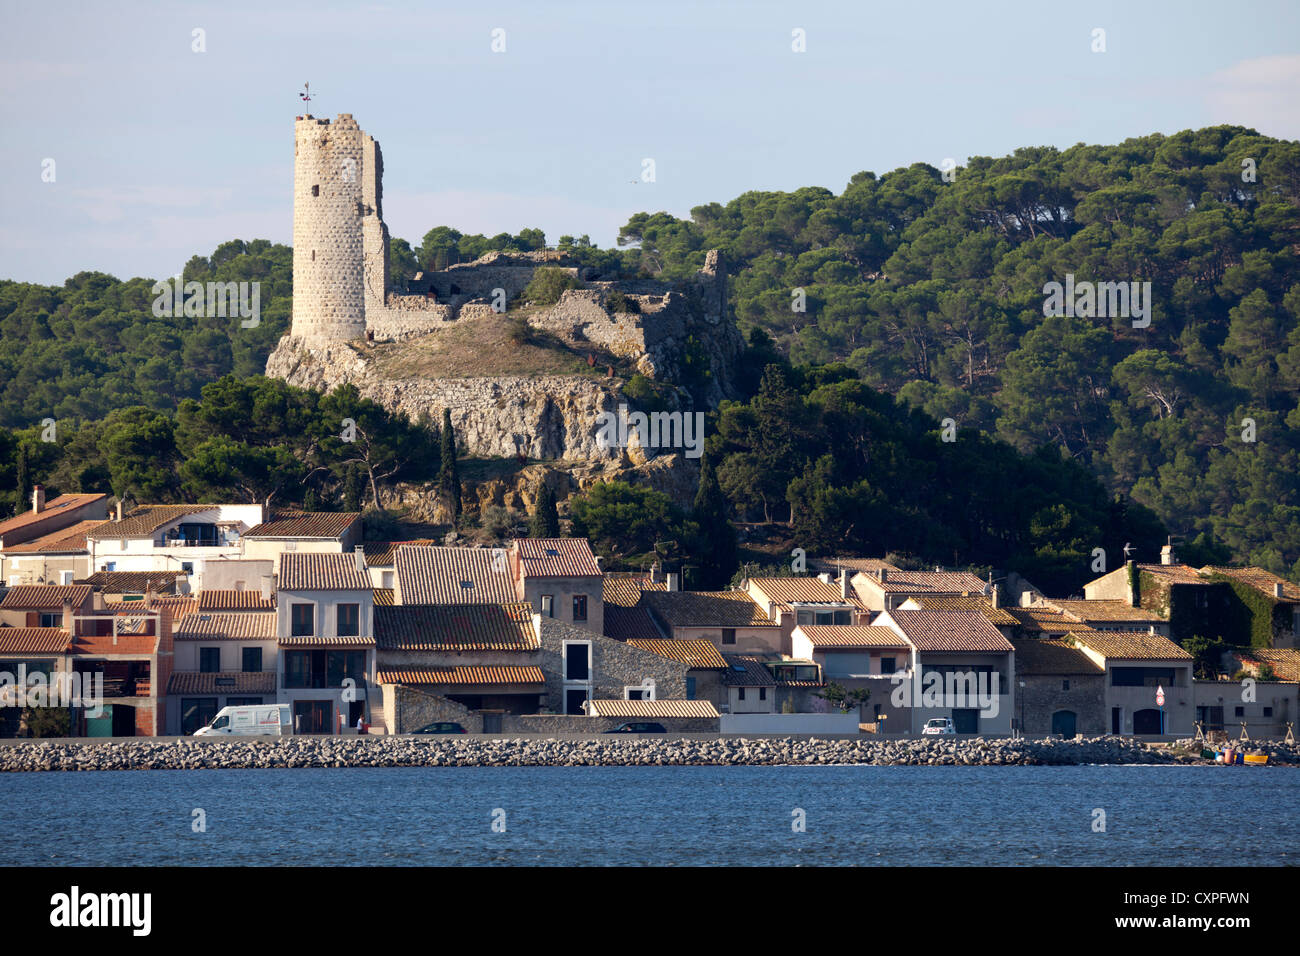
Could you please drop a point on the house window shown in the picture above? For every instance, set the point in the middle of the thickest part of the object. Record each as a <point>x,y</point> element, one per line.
<point>728,635</point>
<point>65,577</point>
<point>1065,685</point>
<point>1268,711</point>
<point>349,620</point>
<point>387,577</point>
<point>762,693</point>
<point>51,620</point>
<point>252,660</point>
<point>197,712</point>
<point>888,664</point>
<point>639,692</point>
<point>690,688</point>
<point>110,565</point>
<point>187,567</point>
<point>303,620</point>
<point>740,693</point>
<point>209,660</point>
<point>577,660</point>
<point>548,605</point>
<point>315,190</point>
<point>580,607</point>
<point>1239,711</point>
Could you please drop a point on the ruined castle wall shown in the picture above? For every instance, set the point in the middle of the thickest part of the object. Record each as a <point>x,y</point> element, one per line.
<point>328,301</point>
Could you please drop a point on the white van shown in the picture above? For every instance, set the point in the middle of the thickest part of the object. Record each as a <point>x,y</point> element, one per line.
<point>256,719</point>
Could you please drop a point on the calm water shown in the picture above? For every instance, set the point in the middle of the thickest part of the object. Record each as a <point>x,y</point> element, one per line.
<point>656,815</point>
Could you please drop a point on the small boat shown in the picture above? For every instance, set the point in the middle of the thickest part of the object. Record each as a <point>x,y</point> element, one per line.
<point>1257,759</point>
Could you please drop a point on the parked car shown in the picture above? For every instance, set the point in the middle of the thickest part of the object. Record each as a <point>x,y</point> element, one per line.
<point>638,727</point>
<point>440,727</point>
<point>938,725</point>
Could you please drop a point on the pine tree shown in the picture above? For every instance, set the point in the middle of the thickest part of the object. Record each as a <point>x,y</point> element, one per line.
<point>448,471</point>
<point>546,519</point>
<point>718,553</point>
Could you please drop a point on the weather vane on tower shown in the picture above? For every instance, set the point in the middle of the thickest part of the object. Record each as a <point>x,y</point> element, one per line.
<point>305,95</point>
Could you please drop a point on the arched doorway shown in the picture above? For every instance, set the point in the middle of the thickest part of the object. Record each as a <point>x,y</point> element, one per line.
<point>1063,723</point>
<point>1146,721</point>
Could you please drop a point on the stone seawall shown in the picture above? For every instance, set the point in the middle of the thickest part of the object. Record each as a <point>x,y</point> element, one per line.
<point>614,751</point>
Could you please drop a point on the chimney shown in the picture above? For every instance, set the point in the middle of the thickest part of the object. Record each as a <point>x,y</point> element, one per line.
<point>671,580</point>
<point>844,584</point>
<point>38,499</point>
<point>1167,553</point>
<point>360,553</point>
<point>68,623</point>
<point>266,587</point>
<point>996,596</point>
<point>883,574</point>
<point>654,573</point>
<point>119,509</point>
<point>1278,591</point>
<point>149,595</point>
<point>1026,598</point>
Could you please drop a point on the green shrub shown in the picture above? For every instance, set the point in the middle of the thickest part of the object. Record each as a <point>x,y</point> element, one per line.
<point>617,302</point>
<point>549,283</point>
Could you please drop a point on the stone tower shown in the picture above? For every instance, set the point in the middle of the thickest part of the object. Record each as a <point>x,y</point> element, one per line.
<point>340,247</point>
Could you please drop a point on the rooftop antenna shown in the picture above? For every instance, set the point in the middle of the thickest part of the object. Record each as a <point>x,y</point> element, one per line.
<point>305,95</point>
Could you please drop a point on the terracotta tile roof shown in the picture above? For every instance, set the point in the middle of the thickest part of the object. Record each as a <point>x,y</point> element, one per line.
<point>1174,573</point>
<point>134,645</point>
<point>34,640</point>
<point>1259,578</point>
<point>950,631</point>
<point>471,674</point>
<point>786,591</point>
<point>833,636</point>
<point>1040,620</point>
<point>624,588</point>
<point>706,609</point>
<point>385,597</point>
<point>1285,661</point>
<point>381,554</point>
<point>456,627</point>
<point>692,653</point>
<point>1105,610</point>
<point>69,540</point>
<point>133,582</point>
<point>650,709</point>
<point>745,671</point>
<point>852,565</point>
<point>630,623</point>
<point>926,582</point>
<point>235,601</point>
<point>997,615</point>
<point>306,571</point>
<point>1046,656</point>
<point>179,605</point>
<point>1127,645</point>
<point>454,576</point>
<point>45,597</point>
<point>305,524</point>
<point>53,509</point>
<point>229,626</point>
<point>218,683</point>
<point>318,641</point>
<point>144,520</point>
<point>556,558</point>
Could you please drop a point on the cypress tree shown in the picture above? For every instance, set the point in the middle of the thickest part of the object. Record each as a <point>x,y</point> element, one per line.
<point>24,479</point>
<point>546,519</point>
<point>448,471</point>
<point>718,553</point>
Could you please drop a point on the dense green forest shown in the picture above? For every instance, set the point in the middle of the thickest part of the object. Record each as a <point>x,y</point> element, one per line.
<point>1073,431</point>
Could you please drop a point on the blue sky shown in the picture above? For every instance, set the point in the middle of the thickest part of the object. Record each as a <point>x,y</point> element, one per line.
<point>162,152</point>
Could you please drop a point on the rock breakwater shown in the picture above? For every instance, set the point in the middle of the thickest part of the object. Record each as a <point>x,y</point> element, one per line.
<point>566,752</point>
